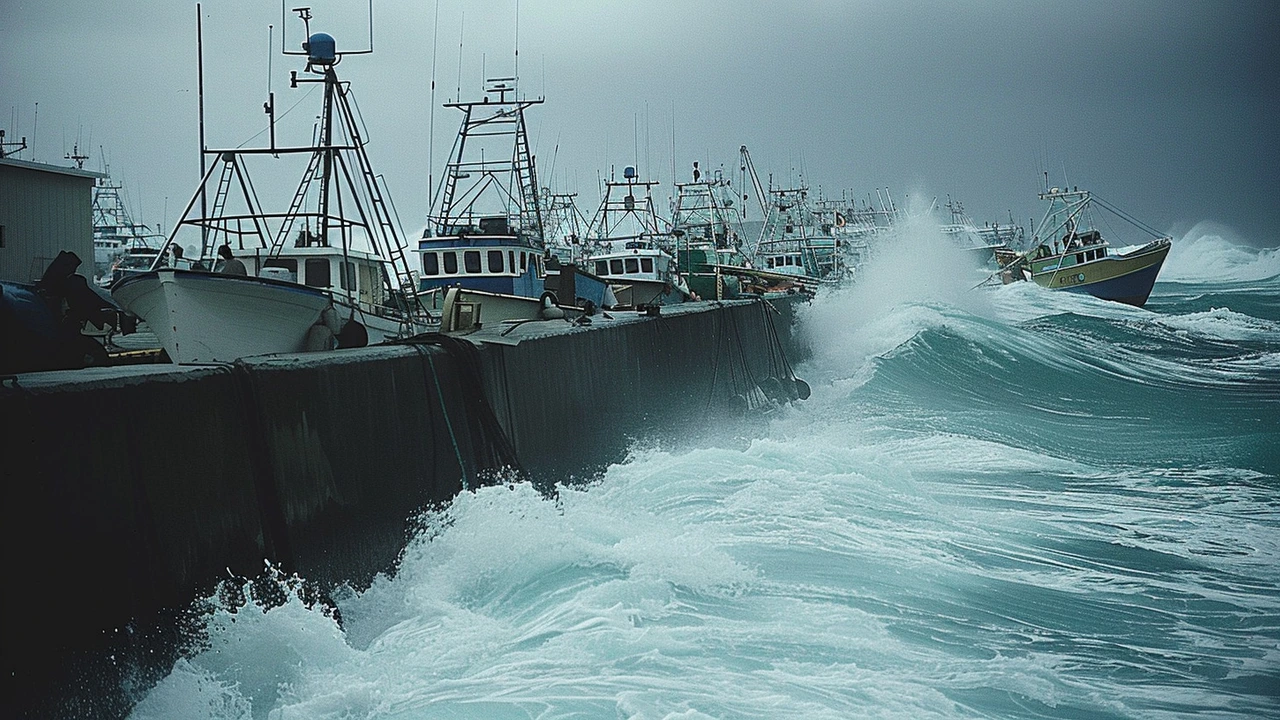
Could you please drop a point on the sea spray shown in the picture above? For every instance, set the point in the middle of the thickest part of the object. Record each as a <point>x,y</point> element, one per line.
<point>1210,252</point>
<point>915,269</point>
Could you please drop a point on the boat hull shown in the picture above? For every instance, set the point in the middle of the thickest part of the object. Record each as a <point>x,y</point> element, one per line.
<point>637,293</point>
<point>201,317</point>
<point>1126,278</point>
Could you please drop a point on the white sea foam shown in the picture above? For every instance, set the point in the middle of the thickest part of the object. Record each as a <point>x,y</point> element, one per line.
<point>906,287</point>
<point>1223,324</point>
<point>1210,253</point>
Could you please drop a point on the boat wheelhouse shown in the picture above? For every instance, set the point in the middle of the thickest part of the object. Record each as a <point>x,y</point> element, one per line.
<point>485,232</point>
<point>1064,256</point>
<point>624,250</point>
<point>488,257</point>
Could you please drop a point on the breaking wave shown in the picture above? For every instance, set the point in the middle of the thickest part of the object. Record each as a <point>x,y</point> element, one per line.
<point>1207,253</point>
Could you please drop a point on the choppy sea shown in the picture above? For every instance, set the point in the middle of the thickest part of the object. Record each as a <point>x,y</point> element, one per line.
<point>997,503</point>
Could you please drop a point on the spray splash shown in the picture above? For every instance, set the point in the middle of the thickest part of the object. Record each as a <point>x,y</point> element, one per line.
<point>916,276</point>
<point>1209,252</point>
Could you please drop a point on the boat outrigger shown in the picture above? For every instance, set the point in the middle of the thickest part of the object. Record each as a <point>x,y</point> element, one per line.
<point>1064,256</point>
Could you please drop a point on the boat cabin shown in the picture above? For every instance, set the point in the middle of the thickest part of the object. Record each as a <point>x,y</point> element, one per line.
<point>358,276</point>
<point>789,263</point>
<point>636,260</point>
<point>498,263</point>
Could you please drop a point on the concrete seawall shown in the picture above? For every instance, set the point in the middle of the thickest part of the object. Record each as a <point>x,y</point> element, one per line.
<point>131,491</point>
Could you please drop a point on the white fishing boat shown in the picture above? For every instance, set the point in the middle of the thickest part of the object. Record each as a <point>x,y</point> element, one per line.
<point>312,277</point>
<point>623,238</point>
<point>120,245</point>
<point>980,243</point>
<point>199,317</point>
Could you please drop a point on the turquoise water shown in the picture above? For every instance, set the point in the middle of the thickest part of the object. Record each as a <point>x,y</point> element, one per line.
<point>997,503</point>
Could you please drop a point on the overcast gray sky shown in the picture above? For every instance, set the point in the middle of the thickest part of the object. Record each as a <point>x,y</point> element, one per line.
<point>1165,108</point>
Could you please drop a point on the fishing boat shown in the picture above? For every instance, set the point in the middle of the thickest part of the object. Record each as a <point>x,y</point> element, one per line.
<point>120,245</point>
<point>484,252</point>
<point>980,243</point>
<point>564,226</point>
<point>625,251</point>
<point>1069,253</point>
<point>704,239</point>
<point>306,283</point>
<point>799,241</point>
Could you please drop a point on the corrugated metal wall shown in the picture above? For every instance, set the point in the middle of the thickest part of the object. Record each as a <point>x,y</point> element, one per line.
<point>42,212</point>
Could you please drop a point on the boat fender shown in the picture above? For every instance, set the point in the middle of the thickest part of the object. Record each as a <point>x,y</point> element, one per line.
<point>353,335</point>
<point>329,318</point>
<point>549,309</point>
<point>319,338</point>
<point>588,308</point>
<point>772,389</point>
<point>802,389</point>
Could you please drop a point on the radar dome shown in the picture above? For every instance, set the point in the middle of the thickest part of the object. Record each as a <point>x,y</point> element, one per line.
<point>321,49</point>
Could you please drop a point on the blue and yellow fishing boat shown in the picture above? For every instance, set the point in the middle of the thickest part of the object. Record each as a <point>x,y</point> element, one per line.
<point>1064,257</point>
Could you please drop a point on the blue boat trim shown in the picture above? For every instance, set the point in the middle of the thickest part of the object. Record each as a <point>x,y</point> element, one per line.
<point>220,277</point>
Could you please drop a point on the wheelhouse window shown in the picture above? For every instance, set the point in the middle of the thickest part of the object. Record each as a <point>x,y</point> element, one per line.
<point>348,275</point>
<point>471,259</point>
<point>602,267</point>
<point>524,261</point>
<point>615,266</point>
<point>511,261</point>
<point>1079,258</point>
<point>646,265</point>
<point>450,262</point>
<point>430,264</point>
<point>287,263</point>
<point>495,261</point>
<point>633,266</point>
<point>317,273</point>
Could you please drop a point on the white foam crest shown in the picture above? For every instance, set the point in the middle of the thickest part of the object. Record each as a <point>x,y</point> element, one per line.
<point>254,659</point>
<point>912,279</point>
<point>1023,301</point>
<point>1223,324</point>
<point>1212,253</point>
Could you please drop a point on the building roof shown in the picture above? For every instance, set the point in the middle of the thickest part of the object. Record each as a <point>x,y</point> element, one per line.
<point>42,167</point>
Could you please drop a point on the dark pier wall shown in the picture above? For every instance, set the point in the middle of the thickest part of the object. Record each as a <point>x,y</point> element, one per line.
<point>131,491</point>
<point>574,401</point>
